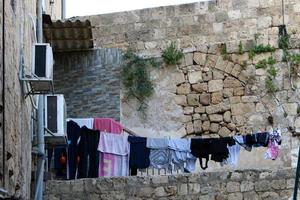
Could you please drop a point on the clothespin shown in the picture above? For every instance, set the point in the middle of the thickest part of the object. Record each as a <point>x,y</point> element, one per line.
<point>104,130</point>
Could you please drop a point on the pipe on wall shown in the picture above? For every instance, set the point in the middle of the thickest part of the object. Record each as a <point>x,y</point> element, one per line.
<point>40,134</point>
<point>3,93</point>
<point>63,9</point>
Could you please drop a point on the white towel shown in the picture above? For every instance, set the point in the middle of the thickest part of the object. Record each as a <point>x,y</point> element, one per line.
<point>88,122</point>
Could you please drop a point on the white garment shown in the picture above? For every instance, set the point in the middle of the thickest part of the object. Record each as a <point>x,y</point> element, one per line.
<point>181,155</point>
<point>233,157</point>
<point>88,122</point>
<point>114,144</point>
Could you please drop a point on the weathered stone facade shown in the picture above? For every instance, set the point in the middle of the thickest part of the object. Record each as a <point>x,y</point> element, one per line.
<point>237,185</point>
<point>17,133</point>
<point>90,81</point>
<point>211,93</point>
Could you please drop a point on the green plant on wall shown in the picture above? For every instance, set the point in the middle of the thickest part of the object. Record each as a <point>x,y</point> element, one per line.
<point>135,76</point>
<point>270,85</point>
<point>263,64</point>
<point>284,38</point>
<point>270,80</point>
<point>259,48</point>
<point>241,48</point>
<point>224,52</point>
<point>171,55</point>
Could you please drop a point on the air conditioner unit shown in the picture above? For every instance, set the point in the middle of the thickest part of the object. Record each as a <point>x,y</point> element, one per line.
<point>41,82</point>
<point>55,119</point>
<point>43,61</point>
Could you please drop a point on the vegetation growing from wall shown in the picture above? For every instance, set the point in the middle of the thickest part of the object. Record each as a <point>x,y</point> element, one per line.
<point>136,79</point>
<point>263,64</point>
<point>171,55</point>
<point>224,52</point>
<point>260,48</point>
<point>268,64</point>
<point>241,48</point>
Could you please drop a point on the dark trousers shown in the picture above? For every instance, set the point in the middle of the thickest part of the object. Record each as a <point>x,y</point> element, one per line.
<point>73,131</point>
<point>89,155</point>
<point>72,160</point>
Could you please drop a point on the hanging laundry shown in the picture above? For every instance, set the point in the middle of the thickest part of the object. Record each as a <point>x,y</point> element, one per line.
<point>111,126</point>
<point>160,155</point>
<point>273,146</point>
<point>240,140</point>
<point>107,125</point>
<point>89,156</point>
<point>139,154</point>
<point>256,139</point>
<point>73,134</point>
<point>181,156</point>
<point>216,147</point>
<point>118,147</point>
<point>233,157</point>
<point>88,122</point>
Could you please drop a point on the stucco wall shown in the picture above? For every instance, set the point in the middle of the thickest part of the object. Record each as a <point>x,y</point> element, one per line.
<point>237,185</point>
<point>90,81</point>
<point>199,29</point>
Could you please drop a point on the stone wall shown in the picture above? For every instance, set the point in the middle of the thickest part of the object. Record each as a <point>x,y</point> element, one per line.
<point>18,38</point>
<point>18,41</point>
<point>195,26</point>
<point>90,81</point>
<point>208,94</point>
<point>237,185</point>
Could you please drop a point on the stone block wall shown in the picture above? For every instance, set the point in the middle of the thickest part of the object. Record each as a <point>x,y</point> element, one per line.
<point>208,94</point>
<point>17,110</point>
<point>236,185</point>
<point>15,172</point>
<point>90,81</point>
<point>195,26</point>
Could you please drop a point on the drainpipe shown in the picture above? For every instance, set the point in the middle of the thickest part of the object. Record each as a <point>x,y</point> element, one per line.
<point>41,150</point>
<point>3,93</point>
<point>40,134</point>
<point>39,24</point>
<point>63,9</point>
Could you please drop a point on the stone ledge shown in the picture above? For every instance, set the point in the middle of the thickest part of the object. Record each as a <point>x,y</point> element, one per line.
<point>234,184</point>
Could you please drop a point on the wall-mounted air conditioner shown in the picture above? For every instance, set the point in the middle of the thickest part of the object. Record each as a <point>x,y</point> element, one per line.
<point>55,119</point>
<point>43,61</point>
<point>41,78</point>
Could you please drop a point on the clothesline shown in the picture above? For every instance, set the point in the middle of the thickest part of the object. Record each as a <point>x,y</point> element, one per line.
<point>97,147</point>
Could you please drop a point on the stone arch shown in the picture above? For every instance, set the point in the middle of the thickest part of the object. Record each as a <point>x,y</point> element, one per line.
<point>211,91</point>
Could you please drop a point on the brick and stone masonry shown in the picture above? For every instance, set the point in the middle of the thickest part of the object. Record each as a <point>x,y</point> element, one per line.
<point>90,81</point>
<point>236,185</point>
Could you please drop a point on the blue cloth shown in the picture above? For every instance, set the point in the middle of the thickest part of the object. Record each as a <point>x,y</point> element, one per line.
<point>139,153</point>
